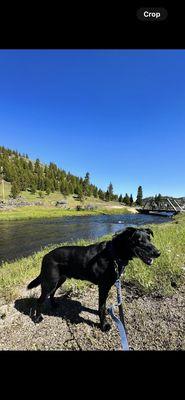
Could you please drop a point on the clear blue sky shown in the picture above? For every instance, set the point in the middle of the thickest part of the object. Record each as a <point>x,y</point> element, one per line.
<point>118,114</point>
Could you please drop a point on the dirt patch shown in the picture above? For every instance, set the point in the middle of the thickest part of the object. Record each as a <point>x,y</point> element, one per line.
<point>152,323</point>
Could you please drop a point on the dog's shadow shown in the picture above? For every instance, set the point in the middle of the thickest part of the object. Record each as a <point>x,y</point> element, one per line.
<point>67,309</point>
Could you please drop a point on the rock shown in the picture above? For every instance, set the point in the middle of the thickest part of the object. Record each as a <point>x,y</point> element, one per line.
<point>61,203</point>
<point>18,202</point>
<point>90,207</point>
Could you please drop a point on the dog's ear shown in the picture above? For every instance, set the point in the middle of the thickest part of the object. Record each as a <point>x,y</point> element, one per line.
<point>148,230</point>
<point>130,230</point>
<point>126,231</point>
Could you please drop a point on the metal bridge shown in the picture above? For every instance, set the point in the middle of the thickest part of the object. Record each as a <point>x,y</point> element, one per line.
<point>165,207</point>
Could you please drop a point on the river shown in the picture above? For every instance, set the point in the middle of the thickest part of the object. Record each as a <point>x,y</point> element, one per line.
<point>22,238</point>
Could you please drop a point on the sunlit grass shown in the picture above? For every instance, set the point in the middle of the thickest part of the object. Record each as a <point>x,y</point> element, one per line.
<point>167,271</point>
<point>32,212</point>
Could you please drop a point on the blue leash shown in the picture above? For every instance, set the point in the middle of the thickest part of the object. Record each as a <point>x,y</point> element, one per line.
<point>119,324</point>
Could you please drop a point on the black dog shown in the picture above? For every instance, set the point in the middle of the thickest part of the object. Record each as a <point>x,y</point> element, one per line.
<point>94,263</point>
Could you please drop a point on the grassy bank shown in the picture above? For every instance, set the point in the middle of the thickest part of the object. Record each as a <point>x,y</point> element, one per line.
<point>162,278</point>
<point>48,209</point>
<point>30,212</point>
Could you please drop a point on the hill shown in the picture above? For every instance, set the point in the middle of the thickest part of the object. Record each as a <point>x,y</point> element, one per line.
<point>26,175</point>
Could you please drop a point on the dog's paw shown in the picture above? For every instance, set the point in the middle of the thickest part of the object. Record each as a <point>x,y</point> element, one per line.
<point>105,327</point>
<point>38,319</point>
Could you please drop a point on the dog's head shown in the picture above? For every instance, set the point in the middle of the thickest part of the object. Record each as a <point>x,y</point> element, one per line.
<point>137,243</point>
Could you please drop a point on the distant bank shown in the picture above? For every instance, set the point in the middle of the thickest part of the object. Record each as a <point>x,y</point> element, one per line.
<point>32,212</point>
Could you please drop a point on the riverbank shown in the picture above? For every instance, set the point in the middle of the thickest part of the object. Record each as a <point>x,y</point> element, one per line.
<point>55,205</point>
<point>153,299</point>
<point>33,212</point>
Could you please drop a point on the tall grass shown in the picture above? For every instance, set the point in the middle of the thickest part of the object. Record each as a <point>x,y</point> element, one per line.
<point>167,271</point>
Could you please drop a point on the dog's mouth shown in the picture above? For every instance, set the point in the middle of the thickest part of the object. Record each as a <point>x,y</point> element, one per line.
<point>147,260</point>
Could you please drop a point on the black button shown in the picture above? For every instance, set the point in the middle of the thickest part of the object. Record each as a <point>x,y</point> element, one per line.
<point>152,14</point>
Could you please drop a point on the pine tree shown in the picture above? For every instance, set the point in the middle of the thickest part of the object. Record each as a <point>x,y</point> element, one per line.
<point>47,185</point>
<point>101,194</point>
<point>126,199</point>
<point>139,196</point>
<point>107,196</point>
<point>131,200</point>
<point>159,199</point>
<point>120,199</point>
<point>95,191</point>
<point>48,190</point>
<point>56,184</point>
<point>37,166</point>
<point>80,193</point>
<point>33,189</point>
<point>30,166</point>
<point>115,197</point>
<point>52,186</point>
<point>71,188</point>
<point>87,178</point>
<point>110,191</point>
<point>86,184</point>
<point>64,188</point>
<point>67,189</point>
<point>15,189</point>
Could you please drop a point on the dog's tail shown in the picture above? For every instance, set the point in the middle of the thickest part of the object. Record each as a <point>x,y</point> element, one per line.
<point>36,282</point>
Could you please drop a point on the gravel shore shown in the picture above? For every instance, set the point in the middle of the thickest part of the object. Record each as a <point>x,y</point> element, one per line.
<point>152,323</point>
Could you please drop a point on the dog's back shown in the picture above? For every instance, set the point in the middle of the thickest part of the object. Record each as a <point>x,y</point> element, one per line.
<point>72,262</point>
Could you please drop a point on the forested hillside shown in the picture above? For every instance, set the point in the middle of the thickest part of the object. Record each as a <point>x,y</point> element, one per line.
<point>24,174</point>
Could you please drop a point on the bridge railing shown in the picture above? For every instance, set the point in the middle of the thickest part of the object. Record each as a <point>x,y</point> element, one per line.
<point>166,205</point>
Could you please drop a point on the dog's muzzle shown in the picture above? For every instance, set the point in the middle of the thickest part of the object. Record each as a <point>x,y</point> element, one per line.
<point>145,258</point>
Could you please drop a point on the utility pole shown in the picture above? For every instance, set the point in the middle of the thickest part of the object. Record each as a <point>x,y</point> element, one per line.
<point>3,185</point>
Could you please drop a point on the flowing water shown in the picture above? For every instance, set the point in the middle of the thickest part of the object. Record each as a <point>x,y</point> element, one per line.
<point>22,238</point>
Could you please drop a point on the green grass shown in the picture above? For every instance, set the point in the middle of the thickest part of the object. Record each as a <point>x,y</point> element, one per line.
<point>166,272</point>
<point>49,210</point>
<point>50,200</point>
<point>30,212</point>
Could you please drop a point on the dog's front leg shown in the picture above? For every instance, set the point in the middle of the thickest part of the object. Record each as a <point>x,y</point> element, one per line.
<point>103,294</point>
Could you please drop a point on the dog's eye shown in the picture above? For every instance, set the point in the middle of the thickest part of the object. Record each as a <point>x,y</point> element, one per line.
<point>138,239</point>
